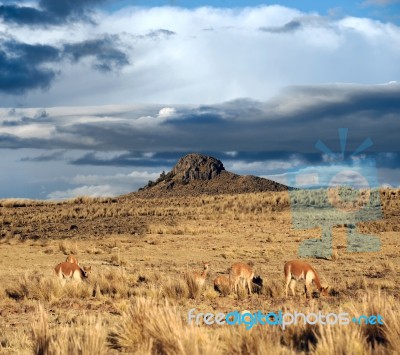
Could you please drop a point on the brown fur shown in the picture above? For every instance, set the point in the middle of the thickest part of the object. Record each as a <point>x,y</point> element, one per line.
<point>241,271</point>
<point>222,284</point>
<point>72,259</point>
<point>71,271</point>
<point>300,270</point>
<point>200,278</point>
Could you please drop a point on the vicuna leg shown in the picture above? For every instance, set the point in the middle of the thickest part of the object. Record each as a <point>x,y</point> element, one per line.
<point>61,278</point>
<point>288,278</point>
<point>236,286</point>
<point>249,285</point>
<point>292,286</point>
<point>306,288</point>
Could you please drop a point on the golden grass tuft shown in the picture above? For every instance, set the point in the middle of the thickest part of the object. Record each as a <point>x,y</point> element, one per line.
<point>385,306</point>
<point>47,289</point>
<point>175,289</point>
<point>157,328</point>
<point>87,335</point>
<point>258,340</point>
<point>36,287</point>
<point>193,286</point>
<point>337,339</point>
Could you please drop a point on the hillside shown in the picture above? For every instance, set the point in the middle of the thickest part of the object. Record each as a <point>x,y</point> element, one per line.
<point>197,174</point>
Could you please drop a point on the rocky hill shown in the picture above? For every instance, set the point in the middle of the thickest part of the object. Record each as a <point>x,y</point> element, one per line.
<point>197,174</point>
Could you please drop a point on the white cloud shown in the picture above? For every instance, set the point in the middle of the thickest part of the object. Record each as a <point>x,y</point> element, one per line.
<point>134,177</point>
<point>86,190</point>
<point>166,112</point>
<point>217,55</point>
<point>42,131</point>
<point>104,185</point>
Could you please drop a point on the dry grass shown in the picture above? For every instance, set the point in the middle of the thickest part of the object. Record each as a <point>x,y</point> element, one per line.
<point>176,289</point>
<point>351,341</point>
<point>194,288</point>
<point>137,298</point>
<point>87,335</point>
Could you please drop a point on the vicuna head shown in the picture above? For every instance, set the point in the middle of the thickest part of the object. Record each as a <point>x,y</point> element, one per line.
<point>258,281</point>
<point>206,265</point>
<point>324,290</point>
<point>86,271</point>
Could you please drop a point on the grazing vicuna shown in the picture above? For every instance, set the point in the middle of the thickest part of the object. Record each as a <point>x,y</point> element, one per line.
<point>222,284</point>
<point>300,270</point>
<point>71,271</point>
<point>241,271</point>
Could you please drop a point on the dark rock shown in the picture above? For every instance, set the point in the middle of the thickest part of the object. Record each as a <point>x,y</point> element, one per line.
<point>197,167</point>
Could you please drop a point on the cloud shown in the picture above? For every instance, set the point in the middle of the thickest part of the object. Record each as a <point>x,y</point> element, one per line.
<point>107,56</point>
<point>160,33</point>
<point>22,66</point>
<point>262,168</point>
<point>286,28</point>
<point>290,122</point>
<point>86,190</point>
<point>165,56</point>
<point>47,12</point>
<point>26,67</point>
<point>57,155</point>
<point>104,185</point>
<point>117,179</point>
<point>165,160</point>
<point>125,159</point>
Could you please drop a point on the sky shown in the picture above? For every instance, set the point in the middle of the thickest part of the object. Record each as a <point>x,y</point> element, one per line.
<point>99,97</point>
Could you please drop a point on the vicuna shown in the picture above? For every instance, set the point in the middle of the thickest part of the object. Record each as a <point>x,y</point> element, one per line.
<point>300,270</point>
<point>240,271</point>
<point>200,278</point>
<point>71,271</point>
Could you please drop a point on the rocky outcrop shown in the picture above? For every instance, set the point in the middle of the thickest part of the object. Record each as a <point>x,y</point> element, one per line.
<point>197,174</point>
<point>197,167</point>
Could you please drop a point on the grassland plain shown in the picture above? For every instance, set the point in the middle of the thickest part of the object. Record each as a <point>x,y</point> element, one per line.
<point>137,298</point>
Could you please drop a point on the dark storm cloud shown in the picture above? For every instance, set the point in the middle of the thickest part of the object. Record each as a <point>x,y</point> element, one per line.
<point>104,51</point>
<point>378,100</point>
<point>25,67</point>
<point>54,156</point>
<point>287,28</point>
<point>23,15</point>
<point>49,12</point>
<point>40,116</point>
<point>289,124</point>
<point>22,66</point>
<point>200,117</point>
<point>126,159</point>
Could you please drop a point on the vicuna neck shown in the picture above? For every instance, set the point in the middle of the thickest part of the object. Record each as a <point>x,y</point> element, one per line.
<point>317,281</point>
<point>204,273</point>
